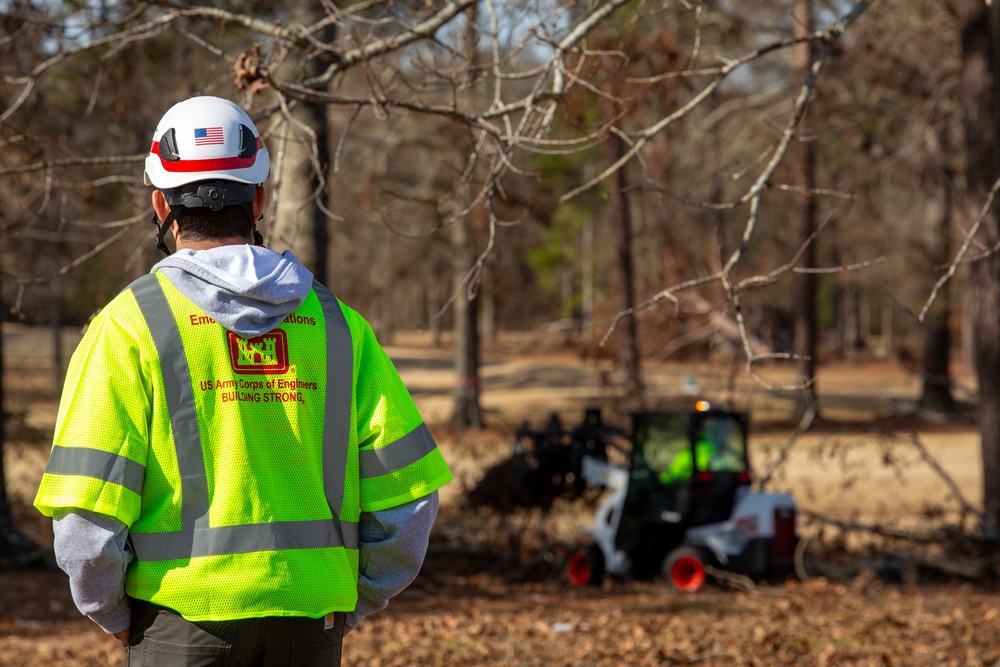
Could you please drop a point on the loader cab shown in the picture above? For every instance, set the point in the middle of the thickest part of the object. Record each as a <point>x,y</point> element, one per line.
<point>685,470</point>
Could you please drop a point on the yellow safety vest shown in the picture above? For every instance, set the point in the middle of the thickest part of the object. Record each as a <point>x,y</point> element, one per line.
<point>240,466</point>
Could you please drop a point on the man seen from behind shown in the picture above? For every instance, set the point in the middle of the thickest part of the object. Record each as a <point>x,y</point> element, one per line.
<point>238,475</point>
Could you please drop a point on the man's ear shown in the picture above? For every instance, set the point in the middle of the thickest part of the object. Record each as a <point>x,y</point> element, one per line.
<point>259,198</point>
<point>160,205</point>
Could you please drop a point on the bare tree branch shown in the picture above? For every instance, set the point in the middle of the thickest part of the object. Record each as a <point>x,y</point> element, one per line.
<point>960,256</point>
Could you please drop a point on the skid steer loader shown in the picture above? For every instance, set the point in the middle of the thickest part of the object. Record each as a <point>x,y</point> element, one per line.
<point>683,501</point>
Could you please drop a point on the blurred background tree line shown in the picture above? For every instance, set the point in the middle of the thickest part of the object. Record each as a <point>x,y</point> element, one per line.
<point>780,182</point>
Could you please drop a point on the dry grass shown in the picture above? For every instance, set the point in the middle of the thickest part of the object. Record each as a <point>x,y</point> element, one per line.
<point>490,592</point>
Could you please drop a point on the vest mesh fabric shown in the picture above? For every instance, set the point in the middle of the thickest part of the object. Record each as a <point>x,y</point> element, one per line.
<point>386,413</point>
<point>104,407</point>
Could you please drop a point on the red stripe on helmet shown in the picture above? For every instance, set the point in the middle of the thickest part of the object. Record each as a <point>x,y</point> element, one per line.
<point>208,164</point>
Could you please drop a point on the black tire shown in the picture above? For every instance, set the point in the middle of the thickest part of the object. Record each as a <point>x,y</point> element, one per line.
<point>684,568</point>
<point>585,566</point>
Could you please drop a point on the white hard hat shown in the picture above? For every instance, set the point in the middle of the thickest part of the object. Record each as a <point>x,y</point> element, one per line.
<point>205,139</point>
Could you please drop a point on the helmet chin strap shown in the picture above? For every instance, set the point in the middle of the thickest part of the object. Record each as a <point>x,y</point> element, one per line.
<point>162,229</point>
<point>258,238</point>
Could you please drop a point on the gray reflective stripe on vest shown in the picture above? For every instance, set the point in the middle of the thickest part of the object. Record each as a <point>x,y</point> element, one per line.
<point>197,538</point>
<point>339,395</point>
<point>412,447</point>
<point>105,466</point>
<point>247,538</point>
<point>180,400</point>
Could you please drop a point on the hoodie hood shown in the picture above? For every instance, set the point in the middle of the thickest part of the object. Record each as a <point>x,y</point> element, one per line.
<point>247,289</point>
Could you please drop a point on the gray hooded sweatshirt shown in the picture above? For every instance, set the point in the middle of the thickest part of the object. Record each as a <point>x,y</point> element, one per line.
<point>249,290</point>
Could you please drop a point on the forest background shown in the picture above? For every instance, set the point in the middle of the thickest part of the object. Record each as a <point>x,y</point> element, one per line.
<point>763,186</point>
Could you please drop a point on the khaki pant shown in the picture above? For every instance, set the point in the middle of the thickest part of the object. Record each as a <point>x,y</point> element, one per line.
<point>161,637</point>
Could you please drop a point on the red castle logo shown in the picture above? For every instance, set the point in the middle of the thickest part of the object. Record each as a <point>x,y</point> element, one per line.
<point>264,355</point>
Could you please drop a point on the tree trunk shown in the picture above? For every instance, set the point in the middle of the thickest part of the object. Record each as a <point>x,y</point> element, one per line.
<point>980,100</point>
<point>16,549</point>
<point>936,393</point>
<point>859,316</point>
<point>628,347</point>
<point>467,413</point>
<point>588,275</point>
<point>433,305</point>
<point>57,347</point>
<point>6,521</point>
<point>319,221</point>
<point>301,223</point>
<point>805,180</point>
<point>7,527</point>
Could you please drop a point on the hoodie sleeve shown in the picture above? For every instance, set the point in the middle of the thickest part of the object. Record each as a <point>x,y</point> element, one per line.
<point>91,549</point>
<point>393,545</point>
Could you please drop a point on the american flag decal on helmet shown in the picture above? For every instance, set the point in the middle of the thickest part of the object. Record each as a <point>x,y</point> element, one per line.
<point>205,136</point>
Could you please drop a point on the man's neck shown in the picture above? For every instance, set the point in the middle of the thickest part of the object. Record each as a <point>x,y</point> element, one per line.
<point>183,244</point>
